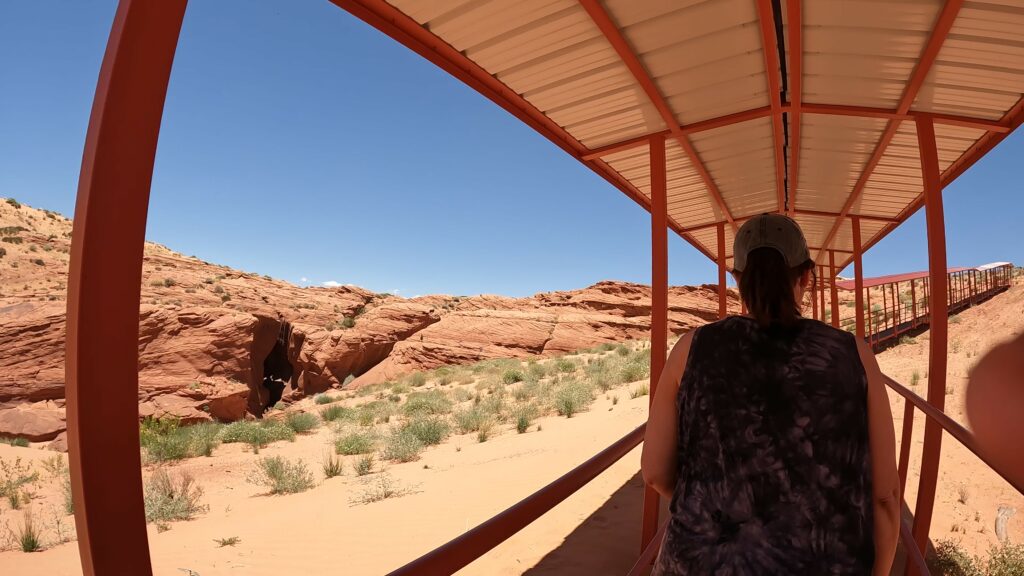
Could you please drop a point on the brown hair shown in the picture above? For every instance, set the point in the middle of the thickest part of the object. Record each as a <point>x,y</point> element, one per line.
<point>766,286</point>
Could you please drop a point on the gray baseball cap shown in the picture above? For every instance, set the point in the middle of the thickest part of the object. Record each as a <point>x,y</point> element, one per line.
<point>770,231</point>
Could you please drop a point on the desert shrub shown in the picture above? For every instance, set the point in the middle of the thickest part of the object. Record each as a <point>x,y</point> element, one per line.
<point>572,397</point>
<point>165,439</point>
<point>363,465</point>
<point>955,319</point>
<point>28,536</point>
<point>444,376</point>
<point>469,419</point>
<point>169,282</point>
<point>429,430</point>
<point>908,340</point>
<point>1006,560</point>
<point>633,372</point>
<point>535,370</point>
<point>355,443</point>
<point>257,434</point>
<point>13,203</point>
<point>512,376</point>
<point>230,541</point>
<point>17,442</point>
<point>401,388</point>
<point>371,389</point>
<point>605,347</point>
<point>484,433</point>
<point>301,421</point>
<point>348,322</point>
<point>565,365</point>
<point>641,390</point>
<point>417,379</point>
<point>332,466</point>
<point>378,411</point>
<point>333,413</point>
<point>321,399</point>
<point>950,560</point>
<point>461,395</point>
<point>915,378</point>
<point>381,488</point>
<point>171,497</point>
<point>282,476</point>
<point>524,414</point>
<point>622,350</point>
<point>402,446</point>
<point>430,402</point>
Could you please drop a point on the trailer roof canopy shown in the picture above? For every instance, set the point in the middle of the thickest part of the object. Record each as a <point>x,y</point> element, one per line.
<point>796,107</point>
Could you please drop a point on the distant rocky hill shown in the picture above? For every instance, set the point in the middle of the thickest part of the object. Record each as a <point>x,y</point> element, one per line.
<point>211,335</point>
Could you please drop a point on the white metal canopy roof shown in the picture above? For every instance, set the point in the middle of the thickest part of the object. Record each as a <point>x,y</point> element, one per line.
<point>802,107</point>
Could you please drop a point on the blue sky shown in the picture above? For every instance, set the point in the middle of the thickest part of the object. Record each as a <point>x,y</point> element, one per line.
<point>304,144</point>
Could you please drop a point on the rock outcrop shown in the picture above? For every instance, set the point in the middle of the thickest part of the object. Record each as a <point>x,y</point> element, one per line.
<point>217,343</point>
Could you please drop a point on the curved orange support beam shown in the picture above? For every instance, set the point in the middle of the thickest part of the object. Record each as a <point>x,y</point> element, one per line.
<point>938,304</point>
<point>104,285</point>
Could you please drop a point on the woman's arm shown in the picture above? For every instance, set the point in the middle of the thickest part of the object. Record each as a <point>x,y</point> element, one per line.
<point>658,462</point>
<point>884,478</point>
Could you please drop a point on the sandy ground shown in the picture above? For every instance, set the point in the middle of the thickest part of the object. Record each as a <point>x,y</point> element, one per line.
<point>460,483</point>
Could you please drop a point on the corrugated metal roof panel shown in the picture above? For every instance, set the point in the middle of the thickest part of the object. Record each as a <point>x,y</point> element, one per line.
<point>705,59</point>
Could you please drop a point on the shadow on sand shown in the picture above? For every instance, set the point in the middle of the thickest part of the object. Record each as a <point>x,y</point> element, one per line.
<point>608,541</point>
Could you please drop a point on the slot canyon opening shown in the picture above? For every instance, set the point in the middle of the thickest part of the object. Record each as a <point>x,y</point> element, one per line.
<point>277,368</point>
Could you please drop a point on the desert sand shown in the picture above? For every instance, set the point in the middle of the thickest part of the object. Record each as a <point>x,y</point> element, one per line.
<point>462,482</point>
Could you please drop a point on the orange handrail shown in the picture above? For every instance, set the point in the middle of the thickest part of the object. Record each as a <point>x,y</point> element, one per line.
<point>954,429</point>
<point>466,548</point>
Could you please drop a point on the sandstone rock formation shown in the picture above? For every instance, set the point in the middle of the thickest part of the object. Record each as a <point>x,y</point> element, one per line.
<point>210,336</point>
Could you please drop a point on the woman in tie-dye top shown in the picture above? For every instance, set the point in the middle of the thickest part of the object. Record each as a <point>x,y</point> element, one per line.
<point>771,434</point>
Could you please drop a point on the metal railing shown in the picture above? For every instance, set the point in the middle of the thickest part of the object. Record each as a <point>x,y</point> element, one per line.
<point>466,548</point>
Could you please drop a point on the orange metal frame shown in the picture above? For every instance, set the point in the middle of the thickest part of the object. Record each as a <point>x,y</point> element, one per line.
<point>108,239</point>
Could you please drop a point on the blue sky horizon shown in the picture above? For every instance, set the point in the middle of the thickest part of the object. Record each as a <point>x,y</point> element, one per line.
<point>303,144</point>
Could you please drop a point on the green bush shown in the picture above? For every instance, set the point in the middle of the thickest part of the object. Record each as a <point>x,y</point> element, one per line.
<point>165,439</point>
<point>469,419</point>
<point>355,443</point>
<point>378,411</point>
<point>417,379</point>
<point>606,347</point>
<point>950,560</point>
<point>168,497</point>
<point>16,442</point>
<point>535,370</point>
<point>363,465</point>
<point>28,536</point>
<point>333,413</point>
<point>512,376</point>
<point>257,434</point>
<point>302,421</point>
<point>1006,560</point>
<point>523,414</point>
<point>461,395</point>
<point>332,466</point>
<point>641,390</point>
<point>321,399</point>
<point>622,350</point>
<point>430,402</point>
<point>282,476</point>
<point>565,365</point>
<point>572,397</point>
<point>915,378</point>
<point>402,446</point>
<point>430,430</point>
<point>401,388</point>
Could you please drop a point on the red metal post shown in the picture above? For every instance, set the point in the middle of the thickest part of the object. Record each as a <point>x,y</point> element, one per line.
<point>833,290</point>
<point>659,305</point>
<point>913,304</point>
<point>905,439</point>
<point>870,314</point>
<point>885,310</point>
<point>858,275</point>
<point>935,223</point>
<point>105,280</point>
<point>723,309</point>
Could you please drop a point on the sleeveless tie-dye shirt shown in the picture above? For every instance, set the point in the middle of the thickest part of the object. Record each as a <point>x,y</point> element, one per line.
<point>774,467</point>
